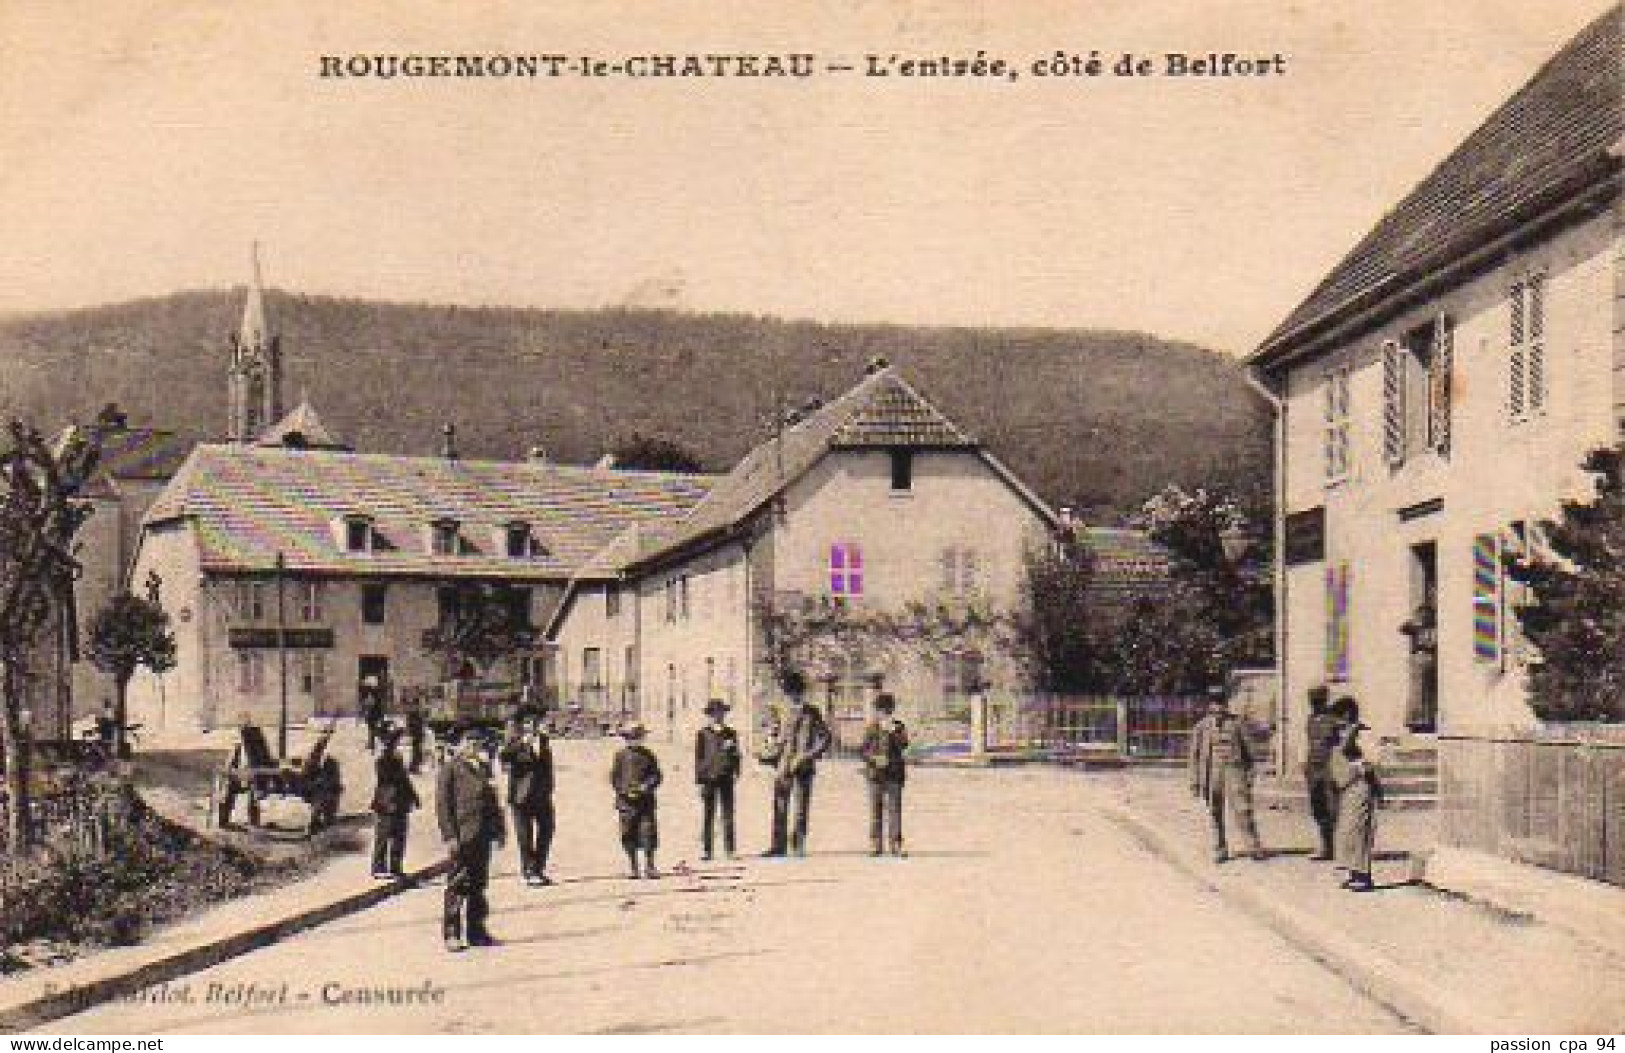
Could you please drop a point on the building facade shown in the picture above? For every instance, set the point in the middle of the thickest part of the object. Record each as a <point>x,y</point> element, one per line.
<point>1436,396</point>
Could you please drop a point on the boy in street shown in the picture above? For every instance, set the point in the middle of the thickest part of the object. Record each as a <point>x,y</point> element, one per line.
<point>635,775</point>
<point>393,801</point>
<point>885,741</point>
<point>716,770</point>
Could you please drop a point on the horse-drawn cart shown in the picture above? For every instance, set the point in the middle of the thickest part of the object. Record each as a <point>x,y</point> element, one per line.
<point>255,775</point>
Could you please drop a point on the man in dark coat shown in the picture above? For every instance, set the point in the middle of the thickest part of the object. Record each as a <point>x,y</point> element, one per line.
<point>417,733</point>
<point>885,741</point>
<point>372,709</point>
<point>393,801</point>
<point>528,756</point>
<point>1322,733</point>
<point>470,823</point>
<point>716,770</point>
<point>802,738</point>
<point>635,775</point>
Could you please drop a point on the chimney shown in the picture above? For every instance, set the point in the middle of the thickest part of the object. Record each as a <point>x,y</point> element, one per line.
<point>537,455</point>
<point>876,364</point>
<point>448,444</point>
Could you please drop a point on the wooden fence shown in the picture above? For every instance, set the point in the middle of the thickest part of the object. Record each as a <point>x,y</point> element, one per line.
<point>1553,797</point>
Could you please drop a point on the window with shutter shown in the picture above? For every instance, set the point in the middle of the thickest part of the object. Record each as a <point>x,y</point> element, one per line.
<point>1393,403</point>
<point>1535,364</point>
<point>1337,622</point>
<point>1444,339</point>
<point>1337,424</point>
<point>1487,598</point>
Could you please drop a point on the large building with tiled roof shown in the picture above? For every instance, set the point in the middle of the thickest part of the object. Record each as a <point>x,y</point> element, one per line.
<point>1437,393</point>
<point>362,548</point>
<point>871,542</point>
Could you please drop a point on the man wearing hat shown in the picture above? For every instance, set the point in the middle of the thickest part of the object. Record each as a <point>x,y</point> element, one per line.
<point>1221,772</point>
<point>393,800</point>
<point>800,739</point>
<point>1322,731</point>
<point>470,823</point>
<point>635,775</point>
<point>528,758</point>
<point>716,770</point>
<point>885,741</point>
<point>372,709</point>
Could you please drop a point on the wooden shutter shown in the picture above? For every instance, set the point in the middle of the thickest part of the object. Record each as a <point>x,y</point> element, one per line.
<point>1337,622</point>
<point>1535,364</point>
<point>1486,598</point>
<point>1393,403</point>
<point>1444,340</point>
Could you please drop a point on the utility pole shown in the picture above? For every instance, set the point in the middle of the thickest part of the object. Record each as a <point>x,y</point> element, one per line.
<point>281,660</point>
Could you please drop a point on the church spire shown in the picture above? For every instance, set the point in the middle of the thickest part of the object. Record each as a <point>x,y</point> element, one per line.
<point>256,365</point>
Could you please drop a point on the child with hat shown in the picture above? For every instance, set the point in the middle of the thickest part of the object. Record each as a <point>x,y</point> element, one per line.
<point>885,742</point>
<point>635,775</point>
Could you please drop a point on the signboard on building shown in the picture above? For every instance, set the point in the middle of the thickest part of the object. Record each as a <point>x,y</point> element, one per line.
<point>247,636</point>
<point>1305,536</point>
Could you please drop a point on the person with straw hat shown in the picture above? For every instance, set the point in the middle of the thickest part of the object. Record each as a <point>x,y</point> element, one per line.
<point>635,775</point>
<point>1358,792</point>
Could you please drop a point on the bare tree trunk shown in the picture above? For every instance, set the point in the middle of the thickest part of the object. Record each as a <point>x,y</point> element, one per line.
<point>19,813</point>
<point>121,715</point>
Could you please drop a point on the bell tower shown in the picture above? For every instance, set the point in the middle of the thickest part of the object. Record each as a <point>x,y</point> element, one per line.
<point>255,376</point>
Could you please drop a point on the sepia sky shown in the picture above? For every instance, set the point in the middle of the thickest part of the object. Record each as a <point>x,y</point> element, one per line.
<point>144,145</point>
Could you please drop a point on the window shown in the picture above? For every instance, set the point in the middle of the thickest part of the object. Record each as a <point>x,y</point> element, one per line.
<point>250,671</point>
<point>1337,622</point>
<point>312,672</point>
<point>902,470</point>
<point>517,601</point>
<point>845,569</point>
<point>310,601</point>
<point>962,672</point>
<point>612,601</point>
<point>443,537</point>
<point>682,597</point>
<point>631,659</point>
<point>1526,348</point>
<point>374,603</point>
<point>254,602</point>
<point>960,572</point>
<point>1416,381</point>
<point>671,600</point>
<point>357,534</point>
<point>517,540</point>
<point>592,668</point>
<point>1337,424</point>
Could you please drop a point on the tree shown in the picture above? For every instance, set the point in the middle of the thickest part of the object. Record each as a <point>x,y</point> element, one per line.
<point>1233,604</point>
<point>651,453</point>
<point>40,513</point>
<point>127,634</point>
<point>1057,629</point>
<point>480,623</point>
<point>1576,618</point>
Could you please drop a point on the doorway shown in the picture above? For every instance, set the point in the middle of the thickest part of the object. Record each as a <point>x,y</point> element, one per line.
<point>372,675</point>
<point>1421,632</point>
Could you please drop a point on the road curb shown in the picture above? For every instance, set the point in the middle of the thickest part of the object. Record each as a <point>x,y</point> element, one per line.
<point>1396,987</point>
<point>76,998</point>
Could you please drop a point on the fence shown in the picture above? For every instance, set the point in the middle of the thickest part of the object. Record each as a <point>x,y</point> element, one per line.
<point>1042,726</point>
<point>1553,797</point>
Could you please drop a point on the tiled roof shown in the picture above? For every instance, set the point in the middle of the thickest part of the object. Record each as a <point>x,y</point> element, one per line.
<point>1554,136</point>
<point>882,410</point>
<point>149,454</point>
<point>249,503</point>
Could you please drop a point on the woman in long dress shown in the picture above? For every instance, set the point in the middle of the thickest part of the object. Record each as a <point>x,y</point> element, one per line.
<point>1355,780</point>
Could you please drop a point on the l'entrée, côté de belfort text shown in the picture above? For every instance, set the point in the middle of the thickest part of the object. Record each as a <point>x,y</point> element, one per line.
<point>974,66</point>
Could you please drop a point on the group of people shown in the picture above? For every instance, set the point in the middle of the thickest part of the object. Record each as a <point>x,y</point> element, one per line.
<point>471,820</point>
<point>1342,784</point>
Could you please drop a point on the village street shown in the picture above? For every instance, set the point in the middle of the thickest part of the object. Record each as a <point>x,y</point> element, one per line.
<point>1022,907</point>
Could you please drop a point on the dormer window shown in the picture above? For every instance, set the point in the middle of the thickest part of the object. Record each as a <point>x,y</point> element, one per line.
<point>517,541</point>
<point>902,470</point>
<point>444,537</point>
<point>355,533</point>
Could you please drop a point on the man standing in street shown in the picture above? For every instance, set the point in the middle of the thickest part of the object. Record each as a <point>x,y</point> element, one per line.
<point>803,739</point>
<point>528,757</point>
<point>884,743</point>
<point>1323,732</point>
<point>470,823</point>
<point>1221,773</point>
<point>393,800</point>
<point>716,770</point>
<point>372,709</point>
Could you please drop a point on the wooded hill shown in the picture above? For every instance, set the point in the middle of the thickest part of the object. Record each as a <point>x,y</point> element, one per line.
<point>1097,418</point>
